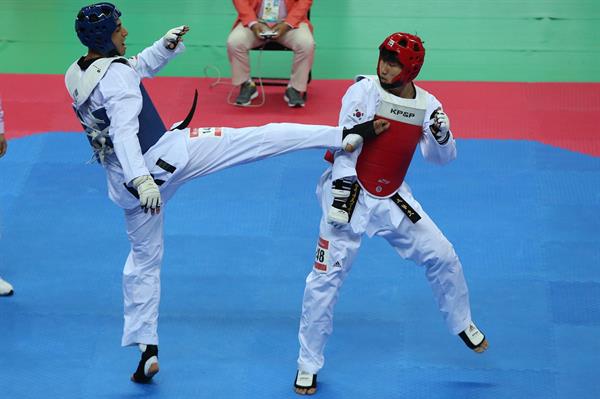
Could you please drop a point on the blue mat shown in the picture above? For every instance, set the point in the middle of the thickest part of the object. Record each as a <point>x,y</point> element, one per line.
<point>523,217</point>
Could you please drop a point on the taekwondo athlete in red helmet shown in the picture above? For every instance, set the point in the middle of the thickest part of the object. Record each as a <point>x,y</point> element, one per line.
<point>365,192</point>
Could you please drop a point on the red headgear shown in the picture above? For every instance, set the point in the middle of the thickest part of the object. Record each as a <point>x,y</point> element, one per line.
<point>410,53</point>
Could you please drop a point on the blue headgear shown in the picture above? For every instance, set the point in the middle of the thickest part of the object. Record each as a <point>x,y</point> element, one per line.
<point>95,25</point>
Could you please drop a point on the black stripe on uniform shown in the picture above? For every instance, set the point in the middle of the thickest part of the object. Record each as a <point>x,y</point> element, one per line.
<point>165,166</point>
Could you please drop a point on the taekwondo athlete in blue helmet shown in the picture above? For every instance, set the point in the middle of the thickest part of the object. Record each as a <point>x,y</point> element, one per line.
<point>146,163</point>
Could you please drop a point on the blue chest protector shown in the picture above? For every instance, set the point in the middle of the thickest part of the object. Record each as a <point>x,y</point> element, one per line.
<point>97,123</point>
<point>152,127</point>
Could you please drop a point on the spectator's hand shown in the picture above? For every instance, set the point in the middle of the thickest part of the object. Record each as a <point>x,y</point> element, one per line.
<point>258,28</point>
<point>149,194</point>
<point>174,36</point>
<point>439,125</point>
<point>280,29</point>
<point>3,145</point>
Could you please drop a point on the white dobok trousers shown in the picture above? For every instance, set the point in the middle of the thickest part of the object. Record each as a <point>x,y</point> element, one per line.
<point>422,242</point>
<point>207,151</point>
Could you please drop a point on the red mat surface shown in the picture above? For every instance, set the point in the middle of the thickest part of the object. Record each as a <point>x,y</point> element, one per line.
<point>559,114</point>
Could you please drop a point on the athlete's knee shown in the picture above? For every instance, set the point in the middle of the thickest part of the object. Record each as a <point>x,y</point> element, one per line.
<point>324,281</point>
<point>443,256</point>
<point>147,254</point>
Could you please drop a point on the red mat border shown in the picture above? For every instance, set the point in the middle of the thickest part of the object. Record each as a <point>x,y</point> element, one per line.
<point>558,114</point>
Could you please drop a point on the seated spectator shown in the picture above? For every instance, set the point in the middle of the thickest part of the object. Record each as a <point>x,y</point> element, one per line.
<point>283,21</point>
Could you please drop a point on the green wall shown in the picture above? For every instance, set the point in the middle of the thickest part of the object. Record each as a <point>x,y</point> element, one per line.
<point>525,41</point>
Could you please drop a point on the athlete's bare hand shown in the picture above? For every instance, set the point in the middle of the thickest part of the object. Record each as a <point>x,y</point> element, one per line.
<point>353,138</point>
<point>380,126</point>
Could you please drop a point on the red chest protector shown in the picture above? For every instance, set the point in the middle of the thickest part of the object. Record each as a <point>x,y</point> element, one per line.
<point>384,161</point>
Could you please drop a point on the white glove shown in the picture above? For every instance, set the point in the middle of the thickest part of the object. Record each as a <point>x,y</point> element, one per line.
<point>149,193</point>
<point>440,125</point>
<point>174,36</point>
<point>351,142</point>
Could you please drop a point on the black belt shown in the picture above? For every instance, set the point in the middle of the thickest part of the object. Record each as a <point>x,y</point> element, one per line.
<point>352,200</point>
<point>407,209</point>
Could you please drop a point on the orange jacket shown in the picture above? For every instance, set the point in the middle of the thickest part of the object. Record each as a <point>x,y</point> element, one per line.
<point>297,11</point>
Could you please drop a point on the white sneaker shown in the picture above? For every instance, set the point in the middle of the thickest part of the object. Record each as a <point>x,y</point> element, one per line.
<point>5,288</point>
